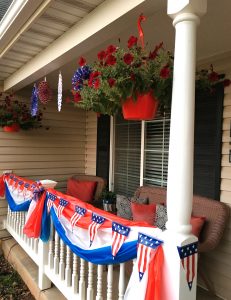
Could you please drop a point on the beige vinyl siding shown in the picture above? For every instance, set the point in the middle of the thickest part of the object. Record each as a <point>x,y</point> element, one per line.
<point>217,263</point>
<point>56,153</point>
<point>91,143</point>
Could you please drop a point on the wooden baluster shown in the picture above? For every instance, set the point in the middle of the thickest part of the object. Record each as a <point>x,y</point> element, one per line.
<point>68,266</point>
<point>62,261</point>
<point>109,282</point>
<point>90,289</point>
<point>122,281</point>
<point>99,295</point>
<point>51,245</point>
<point>56,257</point>
<point>82,284</point>
<point>75,277</point>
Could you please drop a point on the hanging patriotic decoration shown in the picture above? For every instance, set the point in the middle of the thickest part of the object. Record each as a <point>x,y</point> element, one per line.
<point>188,256</point>
<point>50,199</point>
<point>62,204</point>
<point>81,74</point>
<point>18,191</point>
<point>96,222</point>
<point>79,212</point>
<point>34,101</point>
<point>119,235</point>
<point>60,91</point>
<point>44,92</point>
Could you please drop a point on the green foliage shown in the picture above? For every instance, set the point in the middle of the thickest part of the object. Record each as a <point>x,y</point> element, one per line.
<point>108,195</point>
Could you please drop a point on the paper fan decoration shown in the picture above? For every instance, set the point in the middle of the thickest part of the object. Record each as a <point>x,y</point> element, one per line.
<point>44,92</point>
<point>34,101</point>
<point>60,91</point>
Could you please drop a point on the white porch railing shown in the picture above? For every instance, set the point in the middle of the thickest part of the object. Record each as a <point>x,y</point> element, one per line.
<point>73,276</point>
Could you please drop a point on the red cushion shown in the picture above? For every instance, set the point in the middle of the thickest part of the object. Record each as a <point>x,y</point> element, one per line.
<point>197,224</point>
<point>144,212</point>
<point>83,190</point>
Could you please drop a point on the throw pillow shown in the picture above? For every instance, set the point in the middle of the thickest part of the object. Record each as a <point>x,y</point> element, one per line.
<point>83,190</point>
<point>144,212</point>
<point>123,205</point>
<point>161,216</point>
<point>197,224</point>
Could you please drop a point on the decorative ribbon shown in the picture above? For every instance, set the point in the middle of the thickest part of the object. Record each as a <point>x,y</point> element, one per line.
<point>140,30</point>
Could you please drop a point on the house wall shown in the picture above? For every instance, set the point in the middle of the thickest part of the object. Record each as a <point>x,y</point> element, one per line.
<point>61,151</point>
<point>91,140</point>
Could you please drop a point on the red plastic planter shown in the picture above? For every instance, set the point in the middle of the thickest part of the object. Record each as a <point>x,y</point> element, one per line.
<point>144,108</point>
<point>12,128</point>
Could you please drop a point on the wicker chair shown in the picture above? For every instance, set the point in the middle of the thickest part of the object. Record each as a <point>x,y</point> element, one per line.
<point>215,212</point>
<point>101,184</point>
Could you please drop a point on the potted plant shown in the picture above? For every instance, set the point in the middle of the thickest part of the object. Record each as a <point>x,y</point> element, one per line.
<point>15,115</point>
<point>108,199</point>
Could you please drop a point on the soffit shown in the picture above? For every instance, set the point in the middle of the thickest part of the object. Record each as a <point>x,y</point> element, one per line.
<point>59,17</point>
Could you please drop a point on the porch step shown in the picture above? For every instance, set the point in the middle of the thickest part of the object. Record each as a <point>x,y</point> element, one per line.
<point>27,269</point>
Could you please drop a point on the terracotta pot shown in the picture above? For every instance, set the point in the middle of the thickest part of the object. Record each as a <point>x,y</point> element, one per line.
<point>11,128</point>
<point>143,108</point>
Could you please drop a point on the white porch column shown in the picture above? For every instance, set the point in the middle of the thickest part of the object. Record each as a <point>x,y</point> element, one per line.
<point>185,14</point>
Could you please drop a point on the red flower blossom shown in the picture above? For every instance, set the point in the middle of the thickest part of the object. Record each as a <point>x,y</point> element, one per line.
<point>111,60</point>
<point>226,82</point>
<point>132,41</point>
<point>165,72</point>
<point>154,53</point>
<point>96,83</point>
<point>110,49</point>
<point>77,97</point>
<point>128,58</point>
<point>213,76</point>
<point>82,61</point>
<point>101,55</point>
<point>111,82</point>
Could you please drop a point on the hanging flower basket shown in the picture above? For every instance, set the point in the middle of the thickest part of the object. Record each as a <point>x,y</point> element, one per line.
<point>11,128</point>
<point>143,108</point>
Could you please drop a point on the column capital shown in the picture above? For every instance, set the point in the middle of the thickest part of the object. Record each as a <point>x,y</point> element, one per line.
<point>196,7</point>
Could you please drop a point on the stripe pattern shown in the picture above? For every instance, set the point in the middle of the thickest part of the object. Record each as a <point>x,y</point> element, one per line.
<point>62,204</point>
<point>79,212</point>
<point>188,256</point>
<point>96,222</point>
<point>119,235</point>
<point>50,200</point>
<point>146,245</point>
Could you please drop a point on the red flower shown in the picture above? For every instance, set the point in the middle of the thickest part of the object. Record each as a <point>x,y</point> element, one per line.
<point>226,82</point>
<point>132,41</point>
<point>110,49</point>
<point>128,58</point>
<point>96,83</point>
<point>77,97</point>
<point>82,61</point>
<point>165,72</point>
<point>153,54</point>
<point>111,82</point>
<point>213,76</point>
<point>101,55</point>
<point>111,60</point>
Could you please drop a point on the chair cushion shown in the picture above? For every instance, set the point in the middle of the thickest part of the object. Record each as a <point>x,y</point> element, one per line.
<point>83,190</point>
<point>144,212</point>
<point>123,205</point>
<point>197,224</point>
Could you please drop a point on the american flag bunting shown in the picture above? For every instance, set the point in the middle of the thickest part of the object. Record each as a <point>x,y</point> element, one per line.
<point>62,204</point>
<point>79,212</point>
<point>50,199</point>
<point>96,222</point>
<point>188,256</point>
<point>146,245</point>
<point>119,235</point>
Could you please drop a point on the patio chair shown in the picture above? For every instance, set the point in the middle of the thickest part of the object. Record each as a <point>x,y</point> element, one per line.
<point>94,184</point>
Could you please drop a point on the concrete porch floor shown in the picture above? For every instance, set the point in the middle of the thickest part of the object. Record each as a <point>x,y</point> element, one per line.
<point>27,269</point>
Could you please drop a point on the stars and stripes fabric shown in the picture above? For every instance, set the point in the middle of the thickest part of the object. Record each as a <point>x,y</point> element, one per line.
<point>96,222</point>
<point>62,204</point>
<point>50,200</point>
<point>79,212</point>
<point>188,256</point>
<point>146,245</point>
<point>119,235</point>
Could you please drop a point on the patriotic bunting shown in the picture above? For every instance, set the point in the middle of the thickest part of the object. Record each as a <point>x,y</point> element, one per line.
<point>146,245</point>
<point>50,200</point>
<point>79,212</point>
<point>119,235</point>
<point>96,222</point>
<point>62,204</point>
<point>188,256</point>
